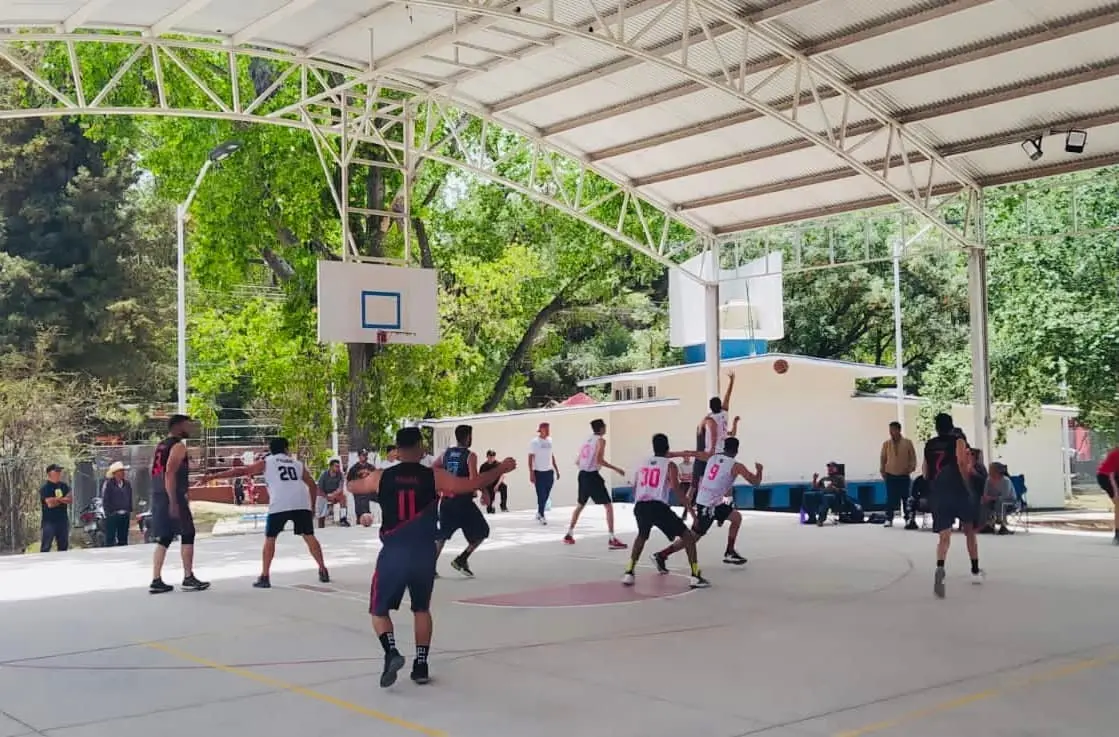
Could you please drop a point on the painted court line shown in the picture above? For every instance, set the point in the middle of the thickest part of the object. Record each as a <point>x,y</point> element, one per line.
<point>296,689</point>
<point>1019,684</point>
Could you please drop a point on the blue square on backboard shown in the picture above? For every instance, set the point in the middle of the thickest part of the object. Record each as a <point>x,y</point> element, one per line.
<point>373,302</point>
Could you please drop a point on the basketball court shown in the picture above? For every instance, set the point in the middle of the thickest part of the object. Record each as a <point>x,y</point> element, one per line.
<point>826,632</point>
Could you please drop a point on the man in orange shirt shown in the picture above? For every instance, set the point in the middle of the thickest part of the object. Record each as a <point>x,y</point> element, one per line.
<point>1108,477</point>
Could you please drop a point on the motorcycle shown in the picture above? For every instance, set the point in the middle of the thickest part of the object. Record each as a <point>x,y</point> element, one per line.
<point>144,523</point>
<point>92,519</point>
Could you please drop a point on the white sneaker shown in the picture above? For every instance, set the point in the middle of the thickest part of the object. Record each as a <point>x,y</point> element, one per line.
<point>888,523</point>
<point>627,579</point>
<point>979,578</point>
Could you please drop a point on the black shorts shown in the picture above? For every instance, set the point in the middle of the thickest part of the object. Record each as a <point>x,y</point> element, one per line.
<point>707,516</point>
<point>163,525</point>
<point>650,514</point>
<point>592,487</point>
<point>1105,483</point>
<point>949,507</point>
<point>461,513</point>
<point>363,503</point>
<point>402,569</point>
<point>302,522</point>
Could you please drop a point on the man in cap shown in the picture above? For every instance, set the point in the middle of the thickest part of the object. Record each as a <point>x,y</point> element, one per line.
<point>116,501</point>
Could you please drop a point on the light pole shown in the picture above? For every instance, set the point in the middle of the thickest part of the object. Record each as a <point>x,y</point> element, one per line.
<point>217,155</point>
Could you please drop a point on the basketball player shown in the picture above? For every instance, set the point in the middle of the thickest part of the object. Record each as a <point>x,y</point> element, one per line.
<point>291,498</point>
<point>947,468</point>
<point>407,494</point>
<point>710,435</point>
<point>592,457</point>
<point>652,484</point>
<point>171,516</point>
<point>458,511</point>
<point>712,501</point>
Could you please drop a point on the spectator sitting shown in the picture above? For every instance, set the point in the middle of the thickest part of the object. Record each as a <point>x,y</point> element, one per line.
<point>998,496</point>
<point>830,491</point>
<point>917,503</point>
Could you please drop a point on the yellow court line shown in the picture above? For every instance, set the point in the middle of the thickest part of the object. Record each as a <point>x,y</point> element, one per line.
<point>1049,675</point>
<point>296,689</point>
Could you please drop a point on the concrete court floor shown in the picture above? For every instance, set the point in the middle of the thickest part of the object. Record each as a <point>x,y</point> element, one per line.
<point>825,632</point>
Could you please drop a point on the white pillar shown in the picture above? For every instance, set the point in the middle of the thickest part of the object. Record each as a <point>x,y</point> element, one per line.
<point>711,321</point>
<point>980,358</point>
<point>180,279</point>
<point>899,347</point>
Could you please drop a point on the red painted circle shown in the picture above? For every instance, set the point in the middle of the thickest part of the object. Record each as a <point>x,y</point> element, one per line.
<point>591,593</point>
<point>780,365</point>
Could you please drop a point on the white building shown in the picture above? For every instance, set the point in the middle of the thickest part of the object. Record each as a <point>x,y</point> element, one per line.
<point>792,423</point>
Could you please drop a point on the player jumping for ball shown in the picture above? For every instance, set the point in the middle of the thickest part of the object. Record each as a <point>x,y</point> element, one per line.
<point>713,501</point>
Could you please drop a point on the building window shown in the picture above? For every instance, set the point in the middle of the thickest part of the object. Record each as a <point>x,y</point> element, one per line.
<point>640,393</point>
<point>629,393</point>
<point>652,392</point>
<point>617,395</point>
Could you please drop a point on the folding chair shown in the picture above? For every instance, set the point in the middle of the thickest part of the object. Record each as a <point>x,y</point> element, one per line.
<point>1017,513</point>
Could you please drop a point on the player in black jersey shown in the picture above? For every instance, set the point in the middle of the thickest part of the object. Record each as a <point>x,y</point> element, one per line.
<point>171,515</point>
<point>947,468</point>
<point>408,494</point>
<point>460,512</point>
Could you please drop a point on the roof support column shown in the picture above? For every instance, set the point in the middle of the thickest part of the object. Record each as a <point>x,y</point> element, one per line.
<point>980,353</point>
<point>712,349</point>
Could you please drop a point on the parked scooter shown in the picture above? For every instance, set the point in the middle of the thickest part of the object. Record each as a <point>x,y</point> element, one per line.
<point>144,522</point>
<point>92,519</point>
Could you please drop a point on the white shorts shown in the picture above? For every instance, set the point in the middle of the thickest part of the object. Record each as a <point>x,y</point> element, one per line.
<point>321,506</point>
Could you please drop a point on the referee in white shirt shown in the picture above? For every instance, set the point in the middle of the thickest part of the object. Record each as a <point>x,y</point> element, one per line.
<point>542,469</point>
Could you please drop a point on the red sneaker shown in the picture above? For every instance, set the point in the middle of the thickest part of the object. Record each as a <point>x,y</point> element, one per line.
<point>568,540</point>
<point>616,544</point>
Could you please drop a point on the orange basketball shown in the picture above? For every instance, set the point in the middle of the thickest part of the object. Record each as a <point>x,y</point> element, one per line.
<point>780,365</point>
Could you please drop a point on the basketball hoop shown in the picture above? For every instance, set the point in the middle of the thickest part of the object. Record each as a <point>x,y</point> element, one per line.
<point>382,337</point>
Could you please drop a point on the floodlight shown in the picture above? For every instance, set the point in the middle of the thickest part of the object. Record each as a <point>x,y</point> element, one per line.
<point>1032,147</point>
<point>223,151</point>
<point>1075,140</point>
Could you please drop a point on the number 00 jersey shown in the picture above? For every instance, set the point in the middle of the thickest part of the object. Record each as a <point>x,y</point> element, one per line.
<point>651,481</point>
<point>286,490</point>
<point>717,481</point>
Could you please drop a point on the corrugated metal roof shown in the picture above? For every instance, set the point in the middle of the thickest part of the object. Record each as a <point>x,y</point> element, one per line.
<point>683,100</point>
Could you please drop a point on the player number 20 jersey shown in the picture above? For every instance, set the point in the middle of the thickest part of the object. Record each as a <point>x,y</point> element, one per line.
<point>718,478</point>
<point>286,490</point>
<point>588,455</point>
<point>651,481</point>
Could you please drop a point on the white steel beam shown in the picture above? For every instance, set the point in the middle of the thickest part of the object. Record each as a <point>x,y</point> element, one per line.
<point>322,43</point>
<point>805,75</point>
<point>252,30</point>
<point>178,15</point>
<point>82,14</point>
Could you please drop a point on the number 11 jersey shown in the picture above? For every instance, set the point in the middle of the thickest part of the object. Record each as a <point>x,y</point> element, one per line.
<point>408,502</point>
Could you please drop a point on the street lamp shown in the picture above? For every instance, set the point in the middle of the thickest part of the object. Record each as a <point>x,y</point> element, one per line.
<point>217,155</point>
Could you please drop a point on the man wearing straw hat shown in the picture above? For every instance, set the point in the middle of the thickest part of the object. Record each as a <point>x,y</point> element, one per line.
<point>116,500</point>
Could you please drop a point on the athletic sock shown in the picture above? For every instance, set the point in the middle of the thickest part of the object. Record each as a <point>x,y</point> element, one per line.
<point>631,566</point>
<point>388,641</point>
<point>975,565</point>
<point>695,568</point>
<point>421,653</point>
<point>940,564</point>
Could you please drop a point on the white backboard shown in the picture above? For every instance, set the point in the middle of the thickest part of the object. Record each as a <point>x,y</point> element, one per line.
<point>358,302</point>
<point>755,289</point>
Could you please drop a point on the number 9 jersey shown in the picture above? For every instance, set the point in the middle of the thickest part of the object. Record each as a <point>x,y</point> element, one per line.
<point>717,481</point>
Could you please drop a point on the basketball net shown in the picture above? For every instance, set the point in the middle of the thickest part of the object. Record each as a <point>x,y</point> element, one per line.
<point>382,337</point>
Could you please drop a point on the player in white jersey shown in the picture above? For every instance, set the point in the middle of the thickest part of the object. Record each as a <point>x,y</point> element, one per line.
<point>653,482</point>
<point>592,458</point>
<point>291,498</point>
<point>710,436</point>
<point>712,501</point>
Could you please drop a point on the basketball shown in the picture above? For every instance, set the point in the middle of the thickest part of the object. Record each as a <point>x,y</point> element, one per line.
<point>780,365</point>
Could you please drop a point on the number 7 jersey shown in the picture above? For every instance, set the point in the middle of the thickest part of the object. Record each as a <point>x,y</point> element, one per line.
<point>650,483</point>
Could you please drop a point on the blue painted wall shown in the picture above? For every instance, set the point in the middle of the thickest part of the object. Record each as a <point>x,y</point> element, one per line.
<point>728,349</point>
